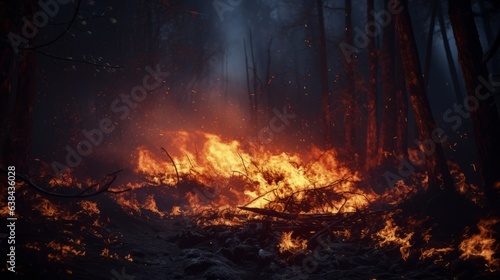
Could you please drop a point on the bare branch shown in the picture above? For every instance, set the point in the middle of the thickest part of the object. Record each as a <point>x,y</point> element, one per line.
<point>173,162</point>
<point>105,186</point>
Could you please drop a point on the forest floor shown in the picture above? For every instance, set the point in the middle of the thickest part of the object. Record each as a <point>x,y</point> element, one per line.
<point>149,246</point>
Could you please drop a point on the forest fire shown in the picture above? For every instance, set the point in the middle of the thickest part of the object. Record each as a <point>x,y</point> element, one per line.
<point>219,176</point>
<point>242,140</point>
<point>263,176</point>
<point>218,185</point>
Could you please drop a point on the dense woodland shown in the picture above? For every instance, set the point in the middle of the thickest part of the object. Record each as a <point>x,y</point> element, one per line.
<point>392,88</point>
<point>366,78</point>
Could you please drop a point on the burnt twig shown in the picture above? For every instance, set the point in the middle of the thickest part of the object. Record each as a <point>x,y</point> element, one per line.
<point>82,194</point>
<point>173,162</point>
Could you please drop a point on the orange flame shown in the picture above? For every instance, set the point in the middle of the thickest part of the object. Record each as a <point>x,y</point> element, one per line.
<point>256,176</point>
<point>290,244</point>
<point>389,235</point>
<point>65,250</point>
<point>482,245</point>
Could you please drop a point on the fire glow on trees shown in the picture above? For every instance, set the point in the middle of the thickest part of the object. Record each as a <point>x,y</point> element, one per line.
<point>200,191</point>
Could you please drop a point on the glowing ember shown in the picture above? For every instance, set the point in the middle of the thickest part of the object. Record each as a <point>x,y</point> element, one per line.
<point>128,258</point>
<point>63,251</point>
<point>49,209</point>
<point>89,207</point>
<point>437,253</point>
<point>33,246</point>
<point>482,244</point>
<point>105,253</point>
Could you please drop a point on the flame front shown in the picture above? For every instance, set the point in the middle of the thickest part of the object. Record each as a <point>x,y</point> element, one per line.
<point>249,176</point>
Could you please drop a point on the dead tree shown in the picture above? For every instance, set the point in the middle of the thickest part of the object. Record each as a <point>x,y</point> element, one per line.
<point>485,118</point>
<point>449,56</point>
<point>401,142</point>
<point>430,40</point>
<point>17,135</point>
<point>371,98</point>
<point>435,160</point>
<point>323,63</point>
<point>388,124</point>
<point>350,95</point>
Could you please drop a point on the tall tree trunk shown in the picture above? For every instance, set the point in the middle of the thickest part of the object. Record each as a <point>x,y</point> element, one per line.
<point>430,40</point>
<point>7,66</point>
<point>492,40</point>
<point>254,95</point>
<point>388,124</point>
<point>435,160</point>
<point>371,99</point>
<point>17,145</point>
<point>323,63</point>
<point>401,143</point>
<point>485,118</point>
<point>350,98</point>
<point>449,57</point>
<point>249,90</point>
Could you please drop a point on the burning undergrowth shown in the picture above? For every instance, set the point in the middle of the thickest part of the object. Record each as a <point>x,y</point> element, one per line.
<point>283,211</point>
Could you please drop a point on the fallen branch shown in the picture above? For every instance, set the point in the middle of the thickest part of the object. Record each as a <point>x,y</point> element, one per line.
<point>270,213</point>
<point>82,194</point>
<point>292,216</point>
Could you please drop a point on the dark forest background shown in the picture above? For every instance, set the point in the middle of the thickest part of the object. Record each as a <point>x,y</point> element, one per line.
<point>231,63</point>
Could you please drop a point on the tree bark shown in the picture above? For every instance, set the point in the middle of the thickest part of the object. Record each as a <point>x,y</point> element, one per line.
<point>388,124</point>
<point>435,161</point>
<point>349,97</point>
<point>7,66</point>
<point>17,145</point>
<point>401,143</point>
<point>325,95</point>
<point>371,99</point>
<point>430,40</point>
<point>449,57</point>
<point>485,118</point>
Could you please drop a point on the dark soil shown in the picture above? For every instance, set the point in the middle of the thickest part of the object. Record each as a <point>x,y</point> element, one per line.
<point>174,248</point>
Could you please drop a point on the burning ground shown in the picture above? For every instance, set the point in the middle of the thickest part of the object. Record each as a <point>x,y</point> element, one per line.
<point>231,139</point>
<point>204,207</point>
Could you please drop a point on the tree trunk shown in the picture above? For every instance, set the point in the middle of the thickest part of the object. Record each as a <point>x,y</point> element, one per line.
<point>17,145</point>
<point>449,57</point>
<point>430,40</point>
<point>388,124</point>
<point>254,94</point>
<point>371,99</point>
<point>485,118</point>
<point>7,66</point>
<point>349,97</point>
<point>492,40</point>
<point>325,95</point>
<point>401,143</point>
<point>435,160</point>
